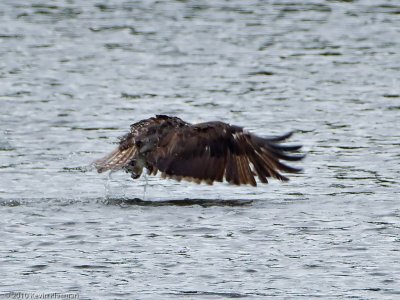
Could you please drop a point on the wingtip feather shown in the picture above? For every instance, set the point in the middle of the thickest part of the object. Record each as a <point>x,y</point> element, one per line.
<point>116,160</point>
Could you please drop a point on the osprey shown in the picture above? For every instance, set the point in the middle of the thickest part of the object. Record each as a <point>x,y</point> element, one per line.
<point>204,152</point>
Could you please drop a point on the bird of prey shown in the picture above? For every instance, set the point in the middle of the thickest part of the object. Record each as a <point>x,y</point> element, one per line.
<point>203,152</point>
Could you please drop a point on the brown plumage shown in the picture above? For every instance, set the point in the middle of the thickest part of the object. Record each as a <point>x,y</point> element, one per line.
<point>211,151</point>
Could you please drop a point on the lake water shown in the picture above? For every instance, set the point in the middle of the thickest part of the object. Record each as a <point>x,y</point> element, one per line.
<point>75,74</point>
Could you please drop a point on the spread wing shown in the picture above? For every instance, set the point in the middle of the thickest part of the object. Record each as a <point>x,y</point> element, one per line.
<point>215,151</point>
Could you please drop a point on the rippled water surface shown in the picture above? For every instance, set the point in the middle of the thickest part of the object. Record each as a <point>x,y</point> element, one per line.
<point>75,74</point>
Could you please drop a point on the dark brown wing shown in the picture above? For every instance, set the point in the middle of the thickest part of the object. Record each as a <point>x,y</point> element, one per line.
<point>215,151</point>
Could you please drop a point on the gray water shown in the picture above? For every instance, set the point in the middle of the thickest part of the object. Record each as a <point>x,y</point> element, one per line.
<point>75,74</point>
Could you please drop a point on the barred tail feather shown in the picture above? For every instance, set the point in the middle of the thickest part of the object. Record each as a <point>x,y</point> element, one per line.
<point>116,160</point>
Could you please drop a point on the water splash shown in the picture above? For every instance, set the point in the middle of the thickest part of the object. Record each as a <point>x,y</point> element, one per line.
<point>146,182</point>
<point>107,186</point>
